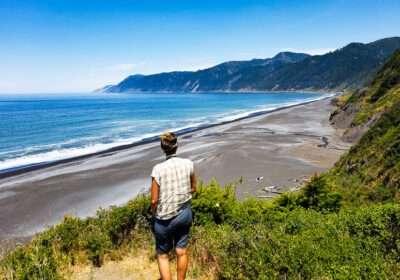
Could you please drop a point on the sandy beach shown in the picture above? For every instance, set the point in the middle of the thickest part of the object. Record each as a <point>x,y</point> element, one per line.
<point>281,147</point>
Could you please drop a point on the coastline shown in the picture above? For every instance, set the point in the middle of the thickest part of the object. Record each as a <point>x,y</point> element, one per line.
<point>246,90</point>
<point>276,146</point>
<point>14,171</point>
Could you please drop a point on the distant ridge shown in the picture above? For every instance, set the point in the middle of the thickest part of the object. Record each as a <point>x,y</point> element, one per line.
<point>343,69</point>
<point>221,77</point>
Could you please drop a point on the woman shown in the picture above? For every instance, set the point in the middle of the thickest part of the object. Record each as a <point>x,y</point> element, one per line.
<point>173,182</point>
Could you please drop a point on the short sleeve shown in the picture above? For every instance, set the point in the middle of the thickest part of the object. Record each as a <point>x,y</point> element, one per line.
<point>155,174</point>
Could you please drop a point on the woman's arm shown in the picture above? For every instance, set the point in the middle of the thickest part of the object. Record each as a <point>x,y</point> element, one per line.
<point>193,183</point>
<point>155,189</point>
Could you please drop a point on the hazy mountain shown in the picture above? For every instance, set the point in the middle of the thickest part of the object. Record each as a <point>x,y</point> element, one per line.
<point>221,77</point>
<point>343,69</point>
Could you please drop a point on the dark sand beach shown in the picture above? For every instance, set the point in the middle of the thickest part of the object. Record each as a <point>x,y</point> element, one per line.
<point>282,147</point>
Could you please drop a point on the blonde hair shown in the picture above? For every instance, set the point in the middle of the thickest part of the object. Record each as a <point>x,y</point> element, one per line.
<point>169,142</point>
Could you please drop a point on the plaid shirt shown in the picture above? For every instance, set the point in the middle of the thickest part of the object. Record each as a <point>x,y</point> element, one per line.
<point>173,178</point>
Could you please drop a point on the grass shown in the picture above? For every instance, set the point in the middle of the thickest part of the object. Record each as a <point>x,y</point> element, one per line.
<point>304,239</point>
<point>379,94</point>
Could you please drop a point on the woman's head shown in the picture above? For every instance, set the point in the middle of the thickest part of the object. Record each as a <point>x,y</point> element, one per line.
<point>169,143</point>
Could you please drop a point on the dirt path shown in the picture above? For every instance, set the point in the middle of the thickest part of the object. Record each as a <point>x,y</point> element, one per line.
<point>132,266</point>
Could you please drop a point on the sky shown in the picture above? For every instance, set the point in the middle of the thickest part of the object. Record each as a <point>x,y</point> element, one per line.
<point>55,46</point>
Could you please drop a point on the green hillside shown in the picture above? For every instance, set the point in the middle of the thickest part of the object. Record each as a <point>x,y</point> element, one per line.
<point>229,240</point>
<point>382,92</point>
<point>343,69</point>
<point>344,224</point>
<point>371,169</point>
<point>217,78</point>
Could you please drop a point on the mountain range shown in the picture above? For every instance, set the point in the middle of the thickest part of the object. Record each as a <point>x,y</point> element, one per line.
<point>343,69</point>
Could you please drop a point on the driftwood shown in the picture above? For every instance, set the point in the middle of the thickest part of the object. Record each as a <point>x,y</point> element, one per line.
<point>275,192</point>
<point>295,189</point>
<point>270,189</point>
<point>266,196</point>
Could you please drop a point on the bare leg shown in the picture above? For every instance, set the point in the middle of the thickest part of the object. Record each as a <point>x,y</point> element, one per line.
<point>163,266</point>
<point>182,262</point>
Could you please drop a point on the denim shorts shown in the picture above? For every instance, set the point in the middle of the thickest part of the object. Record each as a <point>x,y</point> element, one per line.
<point>174,232</point>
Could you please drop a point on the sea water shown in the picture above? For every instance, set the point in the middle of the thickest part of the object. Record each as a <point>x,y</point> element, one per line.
<point>42,128</point>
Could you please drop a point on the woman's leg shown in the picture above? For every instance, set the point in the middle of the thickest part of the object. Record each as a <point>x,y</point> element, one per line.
<point>164,243</point>
<point>163,266</point>
<point>181,237</point>
<point>182,262</point>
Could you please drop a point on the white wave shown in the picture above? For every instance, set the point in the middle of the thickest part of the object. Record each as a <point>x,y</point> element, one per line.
<point>238,114</point>
<point>59,153</point>
<point>189,126</point>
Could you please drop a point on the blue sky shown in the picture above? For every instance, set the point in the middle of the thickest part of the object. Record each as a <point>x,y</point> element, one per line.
<point>78,46</point>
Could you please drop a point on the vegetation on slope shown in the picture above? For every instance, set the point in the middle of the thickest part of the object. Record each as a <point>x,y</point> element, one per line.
<point>370,171</point>
<point>230,239</point>
<point>343,69</point>
<point>364,105</point>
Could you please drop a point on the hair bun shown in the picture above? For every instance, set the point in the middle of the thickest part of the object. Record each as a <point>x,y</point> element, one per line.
<point>169,141</point>
<point>169,136</point>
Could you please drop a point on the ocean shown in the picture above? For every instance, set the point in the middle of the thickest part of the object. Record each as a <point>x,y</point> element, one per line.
<point>43,128</point>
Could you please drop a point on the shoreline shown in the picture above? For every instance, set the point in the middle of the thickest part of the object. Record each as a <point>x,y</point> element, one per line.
<point>15,171</point>
<point>283,147</point>
<point>227,91</point>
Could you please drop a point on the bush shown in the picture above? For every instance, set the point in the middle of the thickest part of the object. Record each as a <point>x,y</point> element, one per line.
<point>214,204</point>
<point>59,245</point>
<point>299,236</point>
<point>307,244</point>
<point>118,222</point>
<point>67,233</point>
<point>318,194</point>
<point>35,261</point>
<point>97,243</point>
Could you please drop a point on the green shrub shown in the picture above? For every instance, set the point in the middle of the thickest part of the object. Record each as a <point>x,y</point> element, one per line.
<point>118,222</point>
<point>307,244</point>
<point>214,203</point>
<point>67,233</point>
<point>317,194</point>
<point>97,243</point>
<point>35,261</point>
<point>143,209</point>
<point>299,236</point>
